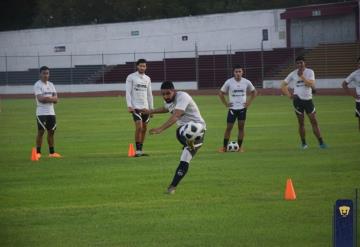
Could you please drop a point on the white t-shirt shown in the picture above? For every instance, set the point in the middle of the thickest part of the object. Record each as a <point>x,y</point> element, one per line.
<point>183,101</point>
<point>354,79</point>
<point>294,81</point>
<point>237,91</point>
<point>138,91</point>
<point>46,90</point>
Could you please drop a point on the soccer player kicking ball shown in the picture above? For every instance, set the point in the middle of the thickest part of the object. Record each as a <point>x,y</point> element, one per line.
<point>139,97</point>
<point>186,114</point>
<point>237,87</point>
<point>46,97</point>
<point>304,81</point>
<point>354,79</point>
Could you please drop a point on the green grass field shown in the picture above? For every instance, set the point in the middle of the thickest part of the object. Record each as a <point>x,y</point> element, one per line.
<point>97,196</point>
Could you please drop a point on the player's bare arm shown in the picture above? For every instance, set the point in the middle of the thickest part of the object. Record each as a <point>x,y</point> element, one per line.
<point>43,99</point>
<point>285,90</point>
<point>251,98</point>
<point>173,118</point>
<point>348,91</point>
<point>308,83</point>
<point>223,99</point>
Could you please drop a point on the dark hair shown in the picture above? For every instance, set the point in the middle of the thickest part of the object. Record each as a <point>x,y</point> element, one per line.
<point>167,85</point>
<point>358,59</point>
<point>300,58</point>
<point>141,60</point>
<point>44,68</point>
<point>237,66</point>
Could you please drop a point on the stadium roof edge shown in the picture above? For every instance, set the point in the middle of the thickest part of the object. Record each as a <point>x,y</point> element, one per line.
<point>315,10</point>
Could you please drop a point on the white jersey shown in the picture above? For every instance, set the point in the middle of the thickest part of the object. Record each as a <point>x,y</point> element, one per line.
<point>354,79</point>
<point>183,101</point>
<point>138,91</point>
<point>46,90</point>
<point>237,92</point>
<point>294,81</point>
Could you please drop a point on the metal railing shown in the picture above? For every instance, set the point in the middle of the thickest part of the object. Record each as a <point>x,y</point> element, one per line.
<point>209,68</point>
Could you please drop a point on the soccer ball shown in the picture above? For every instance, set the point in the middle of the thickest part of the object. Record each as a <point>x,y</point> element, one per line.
<point>192,131</point>
<point>233,147</point>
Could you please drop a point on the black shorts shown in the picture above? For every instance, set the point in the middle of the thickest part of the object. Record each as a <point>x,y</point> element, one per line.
<point>357,109</point>
<point>138,116</point>
<point>240,115</point>
<point>182,140</point>
<point>301,105</point>
<point>46,122</point>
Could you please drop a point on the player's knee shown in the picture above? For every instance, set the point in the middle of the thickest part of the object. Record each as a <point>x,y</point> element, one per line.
<point>139,128</point>
<point>186,155</point>
<point>41,132</point>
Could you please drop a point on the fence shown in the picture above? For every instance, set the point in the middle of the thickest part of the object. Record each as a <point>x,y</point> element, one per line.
<point>208,68</point>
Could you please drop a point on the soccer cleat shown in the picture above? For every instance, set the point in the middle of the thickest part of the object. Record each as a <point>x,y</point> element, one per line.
<point>171,190</point>
<point>55,155</point>
<point>190,144</point>
<point>38,155</point>
<point>138,153</point>
<point>222,150</point>
<point>323,146</point>
<point>304,146</point>
<point>241,150</point>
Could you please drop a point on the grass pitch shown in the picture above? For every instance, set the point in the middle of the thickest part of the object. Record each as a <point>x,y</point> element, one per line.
<point>97,196</point>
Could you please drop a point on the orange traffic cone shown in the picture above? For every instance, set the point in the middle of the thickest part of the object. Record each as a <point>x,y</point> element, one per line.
<point>34,156</point>
<point>290,194</point>
<point>131,152</point>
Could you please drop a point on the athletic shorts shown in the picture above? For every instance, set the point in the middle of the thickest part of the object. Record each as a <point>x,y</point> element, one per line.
<point>138,116</point>
<point>46,122</point>
<point>357,109</point>
<point>301,105</point>
<point>182,140</point>
<point>240,115</point>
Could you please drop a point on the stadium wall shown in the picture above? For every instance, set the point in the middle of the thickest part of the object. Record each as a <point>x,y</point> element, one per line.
<point>239,30</point>
<point>81,88</point>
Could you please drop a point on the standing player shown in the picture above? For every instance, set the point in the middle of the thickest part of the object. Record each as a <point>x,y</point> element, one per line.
<point>139,98</point>
<point>183,110</point>
<point>304,81</point>
<point>237,88</point>
<point>354,79</point>
<point>46,97</point>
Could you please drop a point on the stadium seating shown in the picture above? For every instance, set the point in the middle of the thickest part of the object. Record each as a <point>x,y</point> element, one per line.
<point>328,61</point>
<point>79,74</point>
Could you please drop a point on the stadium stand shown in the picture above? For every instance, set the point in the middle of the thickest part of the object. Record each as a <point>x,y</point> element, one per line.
<point>327,60</point>
<point>77,75</point>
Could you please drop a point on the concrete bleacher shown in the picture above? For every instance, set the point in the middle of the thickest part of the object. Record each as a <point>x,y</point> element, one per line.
<point>327,60</point>
<point>213,69</point>
<point>77,75</point>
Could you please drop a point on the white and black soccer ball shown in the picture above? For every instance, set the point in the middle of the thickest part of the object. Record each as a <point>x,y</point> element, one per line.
<point>233,147</point>
<point>192,131</point>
